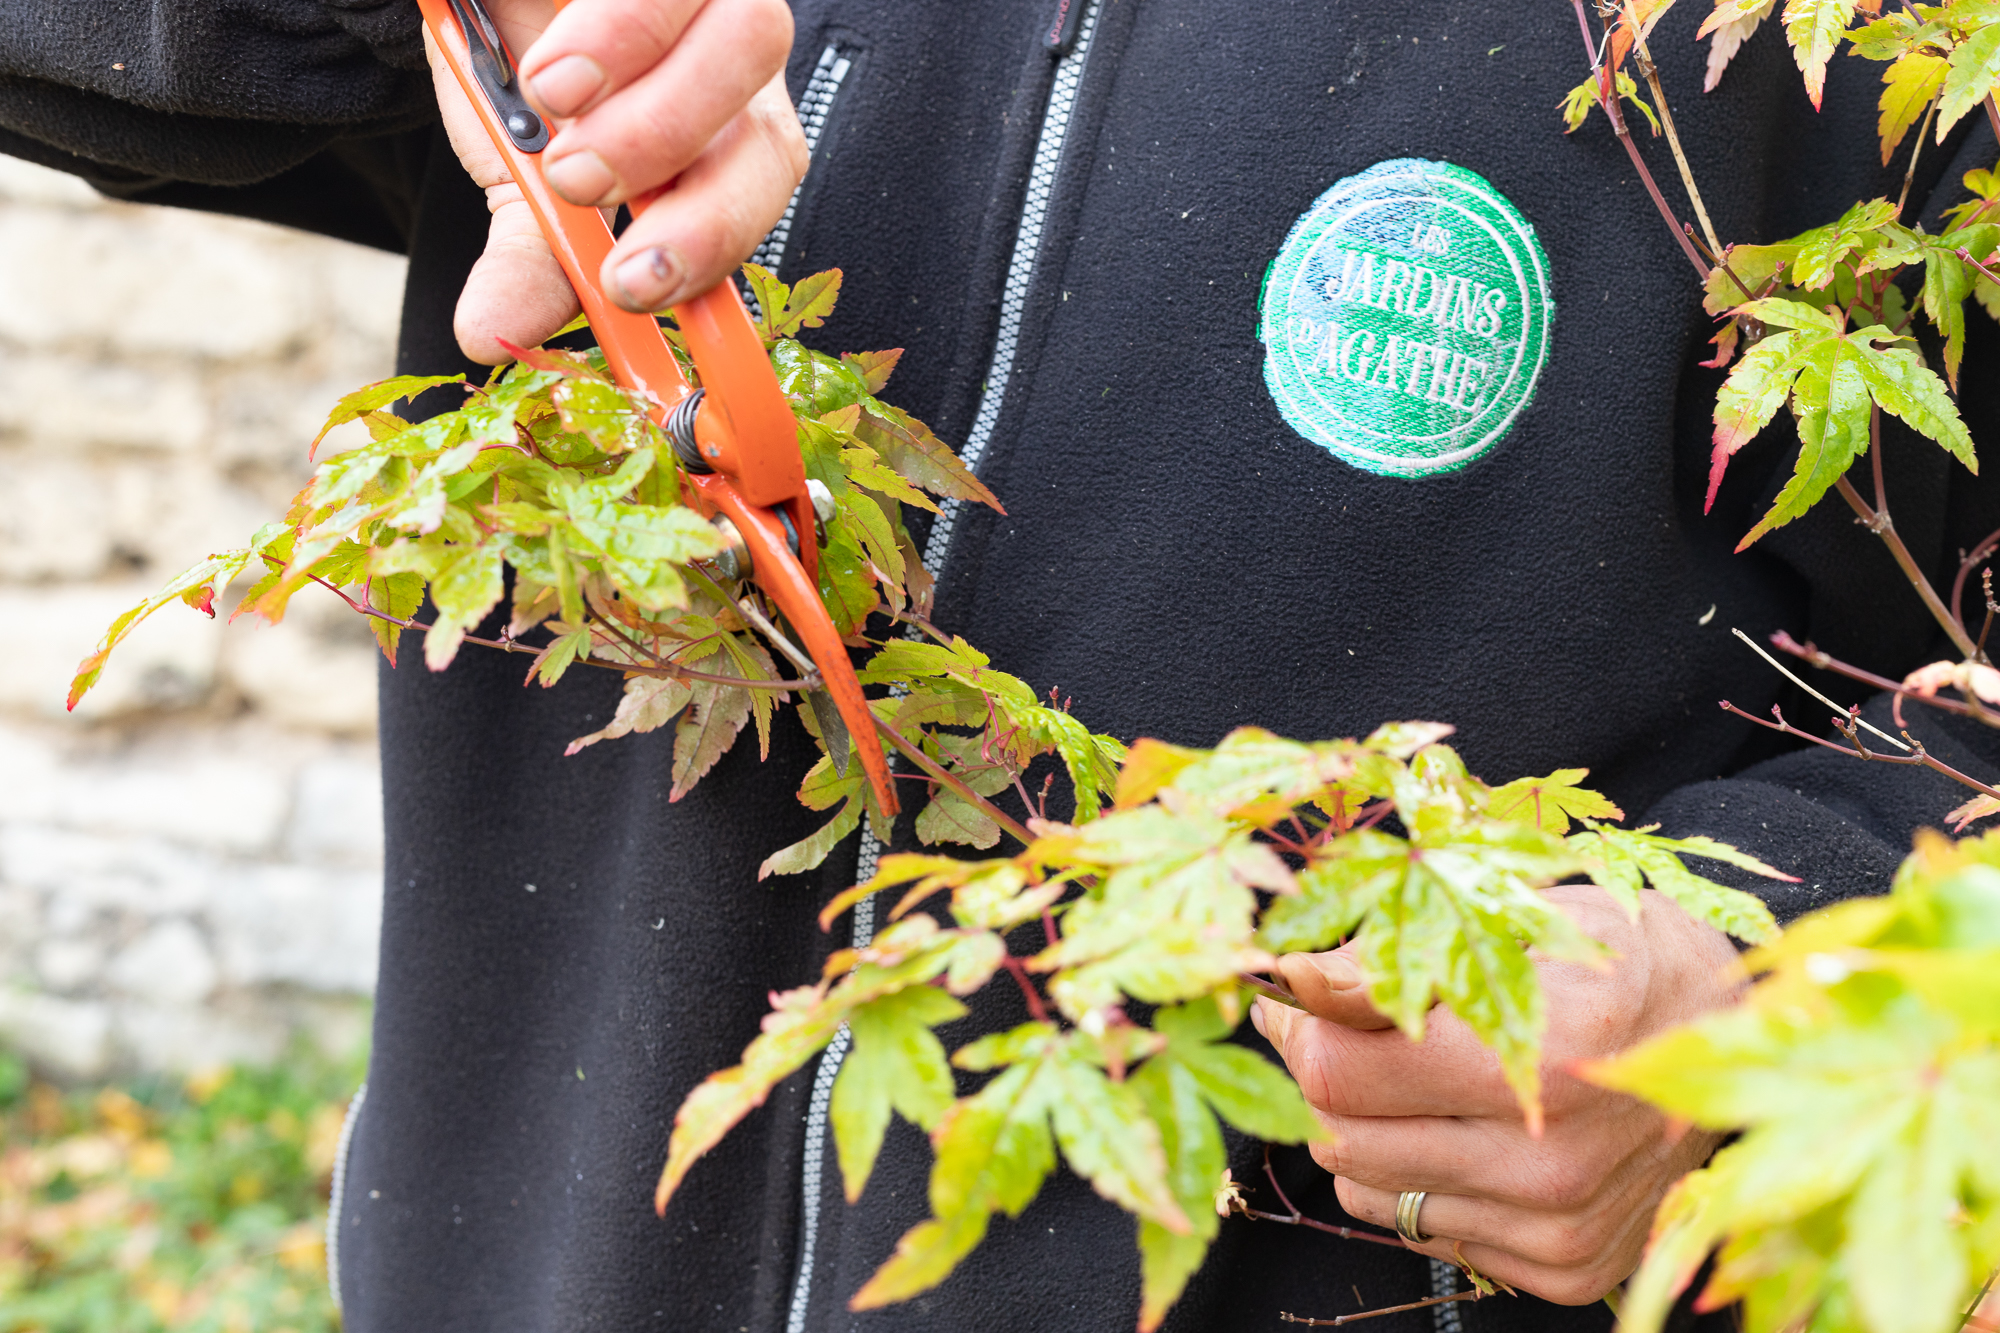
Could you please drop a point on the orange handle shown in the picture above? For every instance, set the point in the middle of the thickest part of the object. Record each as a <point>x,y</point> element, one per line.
<point>746,428</point>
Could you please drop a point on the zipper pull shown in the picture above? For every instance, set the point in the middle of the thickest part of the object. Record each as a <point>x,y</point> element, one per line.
<point>1061,36</point>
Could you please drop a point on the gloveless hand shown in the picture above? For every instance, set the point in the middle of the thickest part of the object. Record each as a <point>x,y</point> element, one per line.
<point>1564,1216</point>
<point>688,95</point>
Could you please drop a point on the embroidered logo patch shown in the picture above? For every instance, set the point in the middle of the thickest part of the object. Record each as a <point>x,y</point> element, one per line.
<point>1406,318</point>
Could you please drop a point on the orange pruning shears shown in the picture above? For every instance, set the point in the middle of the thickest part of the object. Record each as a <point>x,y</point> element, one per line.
<point>735,436</point>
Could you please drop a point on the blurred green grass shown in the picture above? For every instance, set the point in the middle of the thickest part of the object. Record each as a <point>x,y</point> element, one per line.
<point>194,1205</point>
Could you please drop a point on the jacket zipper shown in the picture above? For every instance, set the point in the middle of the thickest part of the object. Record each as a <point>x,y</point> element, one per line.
<point>1069,36</point>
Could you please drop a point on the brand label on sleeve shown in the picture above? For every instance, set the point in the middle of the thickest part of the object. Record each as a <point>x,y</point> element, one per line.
<point>1406,318</point>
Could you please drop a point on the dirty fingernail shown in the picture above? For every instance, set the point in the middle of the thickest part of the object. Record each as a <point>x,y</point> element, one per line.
<point>568,85</point>
<point>581,177</point>
<point>1339,972</point>
<point>647,280</point>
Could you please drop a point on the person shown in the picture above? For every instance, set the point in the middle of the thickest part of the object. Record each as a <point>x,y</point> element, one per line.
<point>1087,220</point>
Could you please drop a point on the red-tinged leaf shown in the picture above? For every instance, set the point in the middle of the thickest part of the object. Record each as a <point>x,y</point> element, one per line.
<point>1912,82</point>
<point>798,1027</point>
<point>1979,807</point>
<point>202,600</point>
<point>1751,396</point>
<point>1725,346</point>
<point>768,295</point>
<point>213,574</point>
<point>873,367</point>
<point>1830,403</point>
<point>811,300</point>
<point>1815,28</point>
<point>713,718</point>
<point>1726,37</point>
<point>554,360</point>
<point>649,703</point>
<point>376,396</point>
<point>908,446</point>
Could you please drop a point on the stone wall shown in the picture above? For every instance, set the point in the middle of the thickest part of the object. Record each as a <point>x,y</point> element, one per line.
<point>189,863</point>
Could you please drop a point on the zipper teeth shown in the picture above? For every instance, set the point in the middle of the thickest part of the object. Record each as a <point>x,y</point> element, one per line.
<point>337,1194</point>
<point>1013,300</point>
<point>814,105</point>
<point>1020,270</point>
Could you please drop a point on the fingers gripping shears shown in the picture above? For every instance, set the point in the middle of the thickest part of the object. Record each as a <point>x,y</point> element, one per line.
<point>735,436</point>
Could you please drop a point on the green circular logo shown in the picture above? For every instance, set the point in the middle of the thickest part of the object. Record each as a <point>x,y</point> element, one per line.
<point>1406,318</point>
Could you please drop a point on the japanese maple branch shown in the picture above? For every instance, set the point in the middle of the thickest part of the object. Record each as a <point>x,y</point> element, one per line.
<point>666,669</point>
<point>1652,74</point>
<point>1878,522</point>
<point>1292,1217</point>
<point>1970,562</point>
<point>945,777</point>
<point>1287,1317</point>
<point>1918,758</point>
<point>1807,652</point>
<point>1607,95</point>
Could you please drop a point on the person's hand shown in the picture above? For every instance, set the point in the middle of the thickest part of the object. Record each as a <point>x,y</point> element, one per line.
<point>683,94</point>
<point>1564,1216</point>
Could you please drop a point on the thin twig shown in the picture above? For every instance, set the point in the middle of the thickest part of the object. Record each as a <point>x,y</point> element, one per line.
<point>1784,671</point>
<point>1028,991</point>
<point>1878,522</point>
<point>1607,96</point>
<point>1287,1317</point>
<point>1980,1299</point>
<point>1269,988</point>
<point>1673,138</point>
<point>800,659</point>
<point>1922,132</point>
<point>666,670</point>
<point>1807,652</point>
<point>1875,456</point>
<point>1993,115</point>
<point>1965,566</point>
<point>939,773</point>
<point>1921,758</point>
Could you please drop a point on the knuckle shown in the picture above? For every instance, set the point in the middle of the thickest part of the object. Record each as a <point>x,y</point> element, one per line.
<point>1571,1247</point>
<point>1562,1183</point>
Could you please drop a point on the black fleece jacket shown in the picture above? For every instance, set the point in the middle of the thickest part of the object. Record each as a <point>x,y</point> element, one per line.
<point>565,953</point>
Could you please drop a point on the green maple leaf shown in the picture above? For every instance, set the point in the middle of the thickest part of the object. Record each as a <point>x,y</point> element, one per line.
<point>996,1147</point>
<point>1865,1073</point>
<point>1625,859</point>
<point>376,396</point>
<point>873,367</point>
<point>1975,69</point>
<point>1551,802</point>
<point>1831,375</point>
<point>782,310</point>
<point>1822,250</point>
<point>1173,913</point>
<point>895,1063</point>
<point>1577,102</point>
<point>1194,1079</point>
<point>800,1024</point>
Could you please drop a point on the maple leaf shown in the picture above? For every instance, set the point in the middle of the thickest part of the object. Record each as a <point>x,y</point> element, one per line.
<point>714,715</point>
<point>1727,29</point>
<point>1815,28</point>
<point>1196,1077</point>
<point>1864,1072</point>
<point>1831,375</point>
<point>649,703</point>
<point>1551,802</point>
<point>1912,82</point>
<point>1974,70</point>
<point>374,397</point>
<point>1622,858</point>
<point>1577,102</point>
<point>995,1148</point>
<point>895,1062</point>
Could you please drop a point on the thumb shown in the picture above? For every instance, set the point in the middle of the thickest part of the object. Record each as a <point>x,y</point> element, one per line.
<point>516,291</point>
<point>1330,986</point>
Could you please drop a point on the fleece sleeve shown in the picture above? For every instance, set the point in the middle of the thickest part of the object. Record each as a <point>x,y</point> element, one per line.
<point>212,92</point>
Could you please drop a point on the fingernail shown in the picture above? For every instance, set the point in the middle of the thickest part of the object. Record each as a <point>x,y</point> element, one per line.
<point>1339,972</point>
<point>581,177</point>
<point>568,85</point>
<point>1257,1019</point>
<point>647,280</point>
